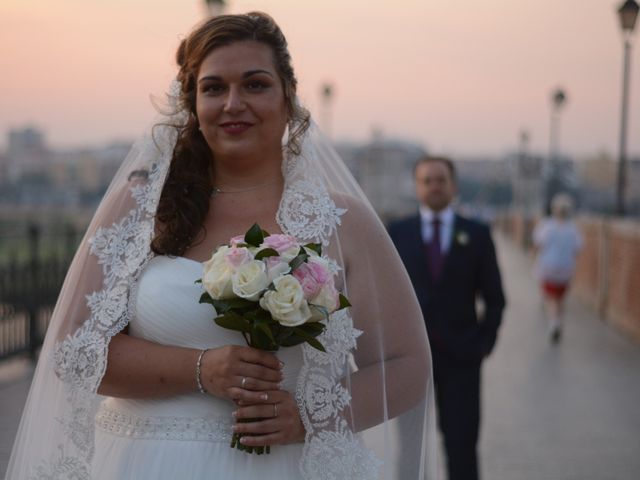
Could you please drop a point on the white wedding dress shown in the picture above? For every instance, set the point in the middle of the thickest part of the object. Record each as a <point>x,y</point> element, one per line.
<point>186,436</point>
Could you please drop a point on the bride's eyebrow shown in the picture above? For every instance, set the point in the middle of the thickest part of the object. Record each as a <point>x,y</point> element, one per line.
<point>245,75</point>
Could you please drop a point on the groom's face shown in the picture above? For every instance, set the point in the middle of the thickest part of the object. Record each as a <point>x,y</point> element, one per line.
<point>435,187</point>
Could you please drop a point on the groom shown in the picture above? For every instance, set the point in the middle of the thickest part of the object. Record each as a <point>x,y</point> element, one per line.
<point>451,260</point>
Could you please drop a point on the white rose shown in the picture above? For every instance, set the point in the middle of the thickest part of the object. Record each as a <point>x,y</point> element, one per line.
<point>250,280</point>
<point>276,268</point>
<point>290,253</point>
<point>216,277</point>
<point>311,252</point>
<point>286,303</point>
<point>328,298</point>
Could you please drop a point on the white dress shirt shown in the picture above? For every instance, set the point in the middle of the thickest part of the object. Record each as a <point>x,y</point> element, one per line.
<point>446,217</point>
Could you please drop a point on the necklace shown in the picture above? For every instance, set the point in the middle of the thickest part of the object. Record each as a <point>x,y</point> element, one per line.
<point>217,190</point>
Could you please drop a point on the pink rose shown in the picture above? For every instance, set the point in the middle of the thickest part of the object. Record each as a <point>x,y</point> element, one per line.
<point>312,276</point>
<point>237,256</point>
<point>285,245</point>
<point>235,241</point>
<point>280,242</point>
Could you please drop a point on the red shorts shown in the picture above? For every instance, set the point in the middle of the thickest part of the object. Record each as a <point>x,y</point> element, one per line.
<point>554,290</point>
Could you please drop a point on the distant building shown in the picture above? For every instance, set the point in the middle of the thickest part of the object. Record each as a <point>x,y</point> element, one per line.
<point>527,175</point>
<point>484,184</point>
<point>384,170</point>
<point>33,174</point>
<point>598,172</point>
<point>633,185</point>
<point>4,169</point>
<point>88,170</point>
<point>27,154</point>
<point>598,180</point>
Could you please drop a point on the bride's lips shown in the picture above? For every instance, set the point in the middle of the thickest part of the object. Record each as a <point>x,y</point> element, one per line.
<point>235,128</point>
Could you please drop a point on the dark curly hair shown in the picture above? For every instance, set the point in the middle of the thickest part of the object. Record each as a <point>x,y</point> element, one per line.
<point>184,202</point>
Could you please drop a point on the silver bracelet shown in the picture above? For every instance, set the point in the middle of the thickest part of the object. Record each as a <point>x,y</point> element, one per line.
<point>198,371</point>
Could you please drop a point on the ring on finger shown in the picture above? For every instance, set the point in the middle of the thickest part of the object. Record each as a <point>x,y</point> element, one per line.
<point>244,380</point>
<point>275,410</point>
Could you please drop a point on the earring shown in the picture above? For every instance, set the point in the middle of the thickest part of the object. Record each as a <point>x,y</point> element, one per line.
<point>289,130</point>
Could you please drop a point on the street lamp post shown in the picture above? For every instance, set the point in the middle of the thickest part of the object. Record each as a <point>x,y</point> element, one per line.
<point>627,13</point>
<point>553,184</point>
<point>215,7</point>
<point>327,94</point>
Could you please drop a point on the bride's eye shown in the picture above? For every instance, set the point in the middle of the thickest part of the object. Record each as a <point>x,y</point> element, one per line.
<point>213,88</point>
<point>257,85</point>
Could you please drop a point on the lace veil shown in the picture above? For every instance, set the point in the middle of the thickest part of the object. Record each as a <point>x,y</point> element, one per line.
<point>367,404</point>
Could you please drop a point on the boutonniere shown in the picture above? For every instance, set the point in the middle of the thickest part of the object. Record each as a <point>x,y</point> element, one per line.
<point>462,238</point>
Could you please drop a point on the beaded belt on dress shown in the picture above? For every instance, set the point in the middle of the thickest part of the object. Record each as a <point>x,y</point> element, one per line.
<point>211,428</point>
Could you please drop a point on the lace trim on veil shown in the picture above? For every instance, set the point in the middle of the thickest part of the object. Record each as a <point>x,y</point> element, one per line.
<point>332,450</point>
<point>80,359</point>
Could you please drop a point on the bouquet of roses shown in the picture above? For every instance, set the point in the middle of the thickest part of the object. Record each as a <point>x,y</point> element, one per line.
<point>273,290</point>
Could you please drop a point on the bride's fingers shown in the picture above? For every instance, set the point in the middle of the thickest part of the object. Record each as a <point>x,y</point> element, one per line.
<point>256,371</point>
<point>286,403</point>
<point>259,427</point>
<point>260,440</point>
<point>266,411</point>
<point>278,420</point>
<point>260,357</point>
<point>249,397</point>
<point>250,383</point>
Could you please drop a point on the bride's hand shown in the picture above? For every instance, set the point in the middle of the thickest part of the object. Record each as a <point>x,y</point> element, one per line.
<point>280,421</point>
<point>240,373</point>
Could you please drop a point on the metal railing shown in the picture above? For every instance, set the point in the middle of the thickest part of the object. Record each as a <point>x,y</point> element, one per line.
<point>30,281</point>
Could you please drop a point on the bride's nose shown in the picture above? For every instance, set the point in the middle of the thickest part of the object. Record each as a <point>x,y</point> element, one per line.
<point>234,102</point>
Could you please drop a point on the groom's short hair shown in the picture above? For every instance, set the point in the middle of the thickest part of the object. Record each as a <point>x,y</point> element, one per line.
<point>435,158</point>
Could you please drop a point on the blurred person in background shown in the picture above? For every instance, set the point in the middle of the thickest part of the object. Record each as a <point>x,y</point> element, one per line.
<point>557,241</point>
<point>451,261</point>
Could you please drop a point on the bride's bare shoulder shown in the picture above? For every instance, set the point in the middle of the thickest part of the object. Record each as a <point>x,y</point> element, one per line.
<point>359,215</point>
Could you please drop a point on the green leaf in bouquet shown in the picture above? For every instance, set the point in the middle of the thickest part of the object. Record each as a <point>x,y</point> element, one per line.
<point>292,339</point>
<point>198,281</point>
<point>299,260</point>
<point>265,316</point>
<point>322,310</point>
<point>266,252</point>
<point>316,247</point>
<point>254,236</point>
<point>257,315</point>
<point>314,328</point>
<point>283,336</point>
<point>344,302</point>
<point>309,338</point>
<point>240,303</point>
<point>264,326</point>
<point>260,339</point>
<point>206,298</point>
<point>233,321</point>
<point>223,306</point>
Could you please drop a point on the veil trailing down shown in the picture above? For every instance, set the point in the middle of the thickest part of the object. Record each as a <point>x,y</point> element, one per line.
<point>375,371</point>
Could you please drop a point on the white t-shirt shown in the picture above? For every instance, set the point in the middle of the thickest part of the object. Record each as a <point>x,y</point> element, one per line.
<point>558,244</point>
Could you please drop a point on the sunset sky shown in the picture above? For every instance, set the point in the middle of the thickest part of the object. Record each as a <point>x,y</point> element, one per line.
<point>460,78</point>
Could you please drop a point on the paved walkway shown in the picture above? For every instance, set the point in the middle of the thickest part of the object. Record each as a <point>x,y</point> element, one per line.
<point>15,379</point>
<point>564,412</point>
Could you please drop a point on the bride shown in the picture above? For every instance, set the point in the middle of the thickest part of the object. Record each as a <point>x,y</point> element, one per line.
<point>136,381</point>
